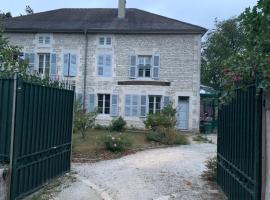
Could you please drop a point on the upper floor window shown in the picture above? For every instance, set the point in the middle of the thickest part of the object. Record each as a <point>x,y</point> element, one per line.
<point>144,66</point>
<point>104,65</point>
<point>44,40</point>
<point>105,41</point>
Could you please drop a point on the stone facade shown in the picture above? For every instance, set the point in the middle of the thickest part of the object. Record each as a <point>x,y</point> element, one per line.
<point>179,65</point>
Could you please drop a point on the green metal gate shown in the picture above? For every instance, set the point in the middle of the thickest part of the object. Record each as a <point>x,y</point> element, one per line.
<point>42,134</point>
<point>239,146</point>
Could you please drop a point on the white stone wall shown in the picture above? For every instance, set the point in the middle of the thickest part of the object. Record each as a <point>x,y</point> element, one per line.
<point>179,64</point>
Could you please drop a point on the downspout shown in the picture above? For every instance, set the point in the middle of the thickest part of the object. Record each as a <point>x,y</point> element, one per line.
<point>85,68</point>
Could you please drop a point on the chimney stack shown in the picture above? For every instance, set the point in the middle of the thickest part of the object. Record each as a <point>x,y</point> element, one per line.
<point>121,9</point>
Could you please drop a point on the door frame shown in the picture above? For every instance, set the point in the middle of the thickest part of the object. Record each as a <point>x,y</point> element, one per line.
<point>187,99</point>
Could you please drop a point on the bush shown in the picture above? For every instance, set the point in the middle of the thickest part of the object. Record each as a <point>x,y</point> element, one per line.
<point>155,136</point>
<point>116,142</point>
<point>168,138</point>
<point>118,124</point>
<point>101,127</point>
<point>83,121</point>
<point>165,119</point>
<point>210,173</point>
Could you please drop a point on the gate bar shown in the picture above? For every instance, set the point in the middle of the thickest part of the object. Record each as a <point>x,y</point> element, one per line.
<point>15,79</point>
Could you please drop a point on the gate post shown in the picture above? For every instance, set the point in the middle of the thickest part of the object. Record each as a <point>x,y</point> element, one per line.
<point>266,129</point>
<point>13,118</point>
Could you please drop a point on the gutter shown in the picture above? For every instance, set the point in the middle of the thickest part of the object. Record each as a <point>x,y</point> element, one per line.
<point>85,68</point>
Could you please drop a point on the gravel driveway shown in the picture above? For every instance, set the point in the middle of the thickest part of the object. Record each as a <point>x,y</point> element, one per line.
<point>159,174</point>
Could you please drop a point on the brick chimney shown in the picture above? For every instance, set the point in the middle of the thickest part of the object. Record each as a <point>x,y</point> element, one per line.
<point>121,9</point>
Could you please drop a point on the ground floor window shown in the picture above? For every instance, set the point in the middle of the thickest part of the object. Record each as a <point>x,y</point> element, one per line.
<point>104,103</point>
<point>44,64</point>
<point>154,104</point>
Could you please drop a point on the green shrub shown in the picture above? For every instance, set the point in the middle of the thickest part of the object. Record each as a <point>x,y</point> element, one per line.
<point>101,127</point>
<point>169,138</point>
<point>117,142</point>
<point>83,121</point>
<point>118,124</point>
<point>165,119</point>
<point>210,173</point>
<point>155,136</point>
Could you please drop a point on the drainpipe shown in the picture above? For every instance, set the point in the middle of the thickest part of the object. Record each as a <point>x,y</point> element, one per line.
<point>85,68</point>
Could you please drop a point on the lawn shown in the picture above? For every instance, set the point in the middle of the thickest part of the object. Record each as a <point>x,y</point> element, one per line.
<point>92,149</point>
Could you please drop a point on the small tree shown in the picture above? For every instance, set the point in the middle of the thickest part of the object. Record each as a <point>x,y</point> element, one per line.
<point>83,121</point>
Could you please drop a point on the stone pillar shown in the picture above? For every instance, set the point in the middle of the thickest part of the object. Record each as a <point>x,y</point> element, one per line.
<point>267,144</point>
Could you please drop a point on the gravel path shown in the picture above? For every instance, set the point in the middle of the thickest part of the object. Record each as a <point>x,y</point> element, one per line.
<point>159,174</point>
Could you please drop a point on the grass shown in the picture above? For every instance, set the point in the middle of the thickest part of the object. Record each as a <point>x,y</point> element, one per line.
<point>92,149</point>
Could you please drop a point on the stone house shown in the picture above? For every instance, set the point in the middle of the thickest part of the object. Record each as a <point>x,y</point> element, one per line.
<point>125,62</point>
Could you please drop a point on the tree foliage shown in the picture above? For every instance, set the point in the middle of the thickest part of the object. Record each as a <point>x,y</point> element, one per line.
<point>235,56</point>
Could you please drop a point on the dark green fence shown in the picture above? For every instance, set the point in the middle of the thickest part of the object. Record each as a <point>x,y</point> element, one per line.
<point>42,135</point>
<point>239,146</point>
<point>6,96</point>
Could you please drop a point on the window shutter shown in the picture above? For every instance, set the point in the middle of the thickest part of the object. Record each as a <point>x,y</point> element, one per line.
<point>143,106</point>
<point>30,58</point>
<point>132,66</point>
<point>53,68</point>
<point>156,66</point>
<point>108,65</point>
<point>128,105</point>
<point>73,65</point>
<point>92,103</point>
<point>135,105</point>
<point>100,65</point>
<point>66,64</point>
<point>79,98</point>
<point>114,105</point>
<point>166,101</point>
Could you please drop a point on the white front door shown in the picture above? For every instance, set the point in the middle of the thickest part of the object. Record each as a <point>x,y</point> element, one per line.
<point>183,114</point>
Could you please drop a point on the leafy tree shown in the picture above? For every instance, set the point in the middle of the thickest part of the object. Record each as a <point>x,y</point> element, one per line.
<point>221,43</point>
<point>5,15</point>
<point>83,121</point>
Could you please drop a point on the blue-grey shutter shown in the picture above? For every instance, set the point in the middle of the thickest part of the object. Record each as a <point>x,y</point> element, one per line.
<point>73,65</point>
<point>92,103</point>
<point>114,105</point>
<point>66,64</point>
<point>107,65</point>
<point>156,66</point>
<point>79,97</point>
<point>100,65</point>
<point>53,68</point>
<point>135,105</point>
<point>143,109</point>
<point>128,105</point>
<point>166,101</point>
<point>30,58</point>
<point>132,66</point>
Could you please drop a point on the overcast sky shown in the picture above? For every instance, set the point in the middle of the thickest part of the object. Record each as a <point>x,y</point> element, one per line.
<point>199,12</point>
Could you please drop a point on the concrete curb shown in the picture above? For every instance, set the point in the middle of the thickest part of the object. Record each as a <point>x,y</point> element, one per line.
<point>104,195</point>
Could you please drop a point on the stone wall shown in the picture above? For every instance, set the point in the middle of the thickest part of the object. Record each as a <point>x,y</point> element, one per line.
<point>179,64</point>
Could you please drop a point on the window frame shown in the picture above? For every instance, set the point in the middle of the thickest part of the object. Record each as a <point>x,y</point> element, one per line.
<point>44,67</point>
<point>105,40</point>
<point>145,66</point>
<point>155,103</point>
<point>104,107</point>
<point>105,64</point>
<point>44,40</point>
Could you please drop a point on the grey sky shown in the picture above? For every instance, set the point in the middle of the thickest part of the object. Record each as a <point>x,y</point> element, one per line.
<point>199,12</point>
